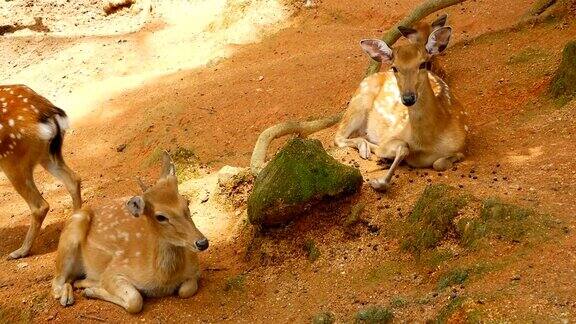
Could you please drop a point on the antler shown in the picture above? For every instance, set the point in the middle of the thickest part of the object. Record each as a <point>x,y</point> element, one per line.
<point>142,185</point>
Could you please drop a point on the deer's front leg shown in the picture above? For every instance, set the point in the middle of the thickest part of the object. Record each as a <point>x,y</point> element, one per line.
<point>116,289</point>
<point>397,149</point>
<point>188,288</point>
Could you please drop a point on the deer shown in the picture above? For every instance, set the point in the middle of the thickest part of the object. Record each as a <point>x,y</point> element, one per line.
<point>407,113</point>
<point>32,132</point>
<point>145,245</point>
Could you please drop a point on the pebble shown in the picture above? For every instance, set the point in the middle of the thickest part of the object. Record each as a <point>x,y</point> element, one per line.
<point>22,265</point>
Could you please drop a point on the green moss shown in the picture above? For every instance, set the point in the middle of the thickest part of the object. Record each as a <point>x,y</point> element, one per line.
<point>528,55</point>
<point>564,82</point>
<point>311,250</point>
<point>432,216</point>
<point>300,175</point>
<point>398,302</point>
<point>435,257</point>
<point>450,309</point>
<point>453,277</point>
<point>324,318</point>
<point>503,221</point>
<point>444,212</point>
<point>384,272</point>
<point>235,283</point>
<point>374,315</point>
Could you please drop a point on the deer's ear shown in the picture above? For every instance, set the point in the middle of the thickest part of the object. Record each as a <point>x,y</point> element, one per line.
<point>438,40</point>
<point>439,22</point>
<point>136,206</point>
<point>410,33</point>
<point>377,49</point>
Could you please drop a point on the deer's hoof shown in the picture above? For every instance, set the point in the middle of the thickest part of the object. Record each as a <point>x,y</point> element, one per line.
<point>67,295</point>
<point>364,150</point>
<point>379,185</point>
<point>20,253</point>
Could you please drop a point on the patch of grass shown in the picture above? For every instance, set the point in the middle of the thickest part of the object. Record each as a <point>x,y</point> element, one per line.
<point>447,311</point>
<point>312,251</point>
<point>434,258</point>
<point>503,221</point>
<point>383,272</point>
<point>324,318</point>
<point>235,283</point>
<point>398,302</point>
<point>453,277</point>
<point>154,158</point>
<point>374,315</point>
<point>527,55</point>
<point>432,217</point>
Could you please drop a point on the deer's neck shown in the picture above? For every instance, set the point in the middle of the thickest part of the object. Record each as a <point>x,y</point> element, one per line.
<point>426,116</point>
<point>169,259</point>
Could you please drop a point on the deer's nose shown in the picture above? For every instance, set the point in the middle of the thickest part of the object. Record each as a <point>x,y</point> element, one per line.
<point>409,99</point>
<point>202,244</point>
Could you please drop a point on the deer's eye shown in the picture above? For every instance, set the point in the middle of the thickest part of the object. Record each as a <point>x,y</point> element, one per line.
<point>161,218</point>
<point>394,69</point>
<point>424,65</point>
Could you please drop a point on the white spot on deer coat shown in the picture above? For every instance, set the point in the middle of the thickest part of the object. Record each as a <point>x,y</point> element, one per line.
<point>25,99</point>
<point>11,122</point>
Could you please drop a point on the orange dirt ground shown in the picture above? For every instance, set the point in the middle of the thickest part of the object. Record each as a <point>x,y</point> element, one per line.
<point>521,148</point>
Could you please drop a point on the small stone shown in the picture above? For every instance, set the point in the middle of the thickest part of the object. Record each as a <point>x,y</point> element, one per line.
<point>121,148</point>
<point>22,265</point>
<point>516,277</point>
<point>260,78</point>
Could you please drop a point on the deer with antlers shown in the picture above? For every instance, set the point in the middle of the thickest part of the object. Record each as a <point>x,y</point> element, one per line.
<point>32,132</point>
<point>144,245</point>
<point>407,113</point>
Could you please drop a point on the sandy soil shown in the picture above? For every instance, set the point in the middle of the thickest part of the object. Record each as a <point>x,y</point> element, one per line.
<point>211,86</point>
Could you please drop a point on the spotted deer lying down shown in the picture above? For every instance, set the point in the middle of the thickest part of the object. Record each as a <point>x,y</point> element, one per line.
<point>142,246</point>
<point>407,113</point>
<point>32,132</point>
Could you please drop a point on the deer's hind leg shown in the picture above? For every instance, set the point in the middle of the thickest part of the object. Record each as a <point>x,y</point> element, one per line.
<point>115,288</point>
<point>446,163</point>
<point>69,264</point>
<point>20,173</point>
<point>57,167</point>
<point>354,121</point>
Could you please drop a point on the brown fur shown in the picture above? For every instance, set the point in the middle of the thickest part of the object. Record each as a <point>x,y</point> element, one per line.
<point>430,133</point>
<point>125,255</point>
<point>31,133</point>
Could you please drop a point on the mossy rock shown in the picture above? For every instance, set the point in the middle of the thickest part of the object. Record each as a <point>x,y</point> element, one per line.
<point>299,176</point>
<point>445,213</point>
<point>564,81</point>
<point>433,215</point>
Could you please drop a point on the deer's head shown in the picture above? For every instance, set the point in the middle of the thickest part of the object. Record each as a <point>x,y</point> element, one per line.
<point>167,211</point>
<point>409,62</point>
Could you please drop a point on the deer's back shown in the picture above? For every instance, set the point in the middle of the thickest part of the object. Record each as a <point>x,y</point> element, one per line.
<point>26,118</point>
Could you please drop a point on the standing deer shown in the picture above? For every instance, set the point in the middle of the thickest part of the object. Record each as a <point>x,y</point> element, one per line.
<point>32,132</point>
<point>407,113</point>
<point>145,245</point>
